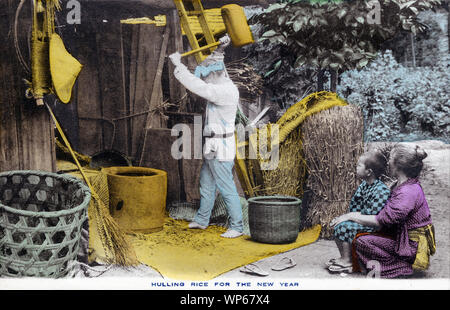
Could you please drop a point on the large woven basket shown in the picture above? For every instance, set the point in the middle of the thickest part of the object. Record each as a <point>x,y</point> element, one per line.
<point>274,219</point>
<point>41,215</point>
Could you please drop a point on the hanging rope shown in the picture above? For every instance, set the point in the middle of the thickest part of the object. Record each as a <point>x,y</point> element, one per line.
<point>16,37</point>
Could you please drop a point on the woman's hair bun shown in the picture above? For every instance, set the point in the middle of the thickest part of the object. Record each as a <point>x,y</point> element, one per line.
<point>420,153</point>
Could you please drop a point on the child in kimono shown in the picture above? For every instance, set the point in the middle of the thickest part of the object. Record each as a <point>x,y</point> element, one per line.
<point>369,198</point>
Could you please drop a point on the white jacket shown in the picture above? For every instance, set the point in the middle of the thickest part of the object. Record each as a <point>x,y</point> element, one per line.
<point>223,100</point>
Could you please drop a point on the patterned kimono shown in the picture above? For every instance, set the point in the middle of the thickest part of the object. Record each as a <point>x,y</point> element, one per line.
<point>407,213</point>
<point>368,199</point>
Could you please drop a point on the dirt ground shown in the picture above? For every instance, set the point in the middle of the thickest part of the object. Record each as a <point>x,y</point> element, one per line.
<point>310,259</point>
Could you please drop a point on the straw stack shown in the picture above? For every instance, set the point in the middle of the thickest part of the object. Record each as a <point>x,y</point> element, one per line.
<point>332,144</point>
<point>288,178</point>
<point>249,83</point>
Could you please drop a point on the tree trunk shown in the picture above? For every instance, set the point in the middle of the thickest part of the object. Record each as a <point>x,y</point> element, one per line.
<point>334,80</point>
<point>320,79</point>
<point>413,49</point>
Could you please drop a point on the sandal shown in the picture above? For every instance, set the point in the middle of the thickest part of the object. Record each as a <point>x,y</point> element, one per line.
<point>254,270</point>
<point>330,262</point>
<point>283,264</point>
<point>337,268</point>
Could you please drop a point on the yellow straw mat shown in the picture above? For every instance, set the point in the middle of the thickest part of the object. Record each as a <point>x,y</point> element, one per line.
<point>180,253</point>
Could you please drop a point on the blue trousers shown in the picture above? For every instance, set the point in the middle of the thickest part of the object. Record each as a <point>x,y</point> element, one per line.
<point>218,175</point>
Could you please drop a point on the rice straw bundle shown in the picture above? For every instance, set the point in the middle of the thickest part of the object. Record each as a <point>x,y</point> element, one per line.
<point>332,144</point>
<point>288,179</point>
<point>249,83</point>
<point>289,176</point>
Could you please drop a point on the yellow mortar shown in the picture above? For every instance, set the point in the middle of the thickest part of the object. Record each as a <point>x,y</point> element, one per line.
<point>137,197</point>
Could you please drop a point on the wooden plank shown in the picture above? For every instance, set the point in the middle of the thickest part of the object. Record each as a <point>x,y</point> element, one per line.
<point>149,46</point>
<point>191,178</point>
<point>133,35</point>
<point>162,121</point>
<point>141,82</point>
<point>176,89</point>
<point>157,155</point>
<point>111,85</point>
<point>36,139</point>
<point>89,106</point>
<point>152,119</point>
<point>190,171</point>
<point>156,95</point>
<point>9,133</point>
<point>189,167</point>
<point>125,45</point>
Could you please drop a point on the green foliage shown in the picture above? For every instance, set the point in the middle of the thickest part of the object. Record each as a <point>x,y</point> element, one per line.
<point>430,45</point>
<point>339,35</point>
<point>400,103</point>
<point>286,83</point>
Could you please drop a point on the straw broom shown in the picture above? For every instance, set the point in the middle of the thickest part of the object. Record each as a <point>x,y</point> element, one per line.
<point>117,248</point>
<point>333,142</point>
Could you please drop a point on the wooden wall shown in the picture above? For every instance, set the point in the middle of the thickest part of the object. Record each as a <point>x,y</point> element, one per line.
<point>26,131</point>
<point>127,73</point>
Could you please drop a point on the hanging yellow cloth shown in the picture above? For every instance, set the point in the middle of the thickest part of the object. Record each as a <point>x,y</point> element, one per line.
<point>64,69</point>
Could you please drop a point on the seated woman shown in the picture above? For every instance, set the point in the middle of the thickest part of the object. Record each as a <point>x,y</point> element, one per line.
<point>407,214</point>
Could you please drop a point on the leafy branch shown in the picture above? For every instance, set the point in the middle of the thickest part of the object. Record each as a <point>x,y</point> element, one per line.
<point>338,35</point>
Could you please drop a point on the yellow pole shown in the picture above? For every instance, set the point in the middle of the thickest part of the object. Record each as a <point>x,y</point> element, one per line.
<point>198,50</point>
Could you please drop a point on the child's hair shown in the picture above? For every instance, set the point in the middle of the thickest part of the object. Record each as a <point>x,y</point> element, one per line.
<point>408,159</point>
<point>377,163</point>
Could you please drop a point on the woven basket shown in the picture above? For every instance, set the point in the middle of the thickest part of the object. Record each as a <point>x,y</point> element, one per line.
<point>274,219</point>
<point>41,215</point>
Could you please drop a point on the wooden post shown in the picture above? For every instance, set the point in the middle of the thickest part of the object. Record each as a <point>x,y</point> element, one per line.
<point>177,90</point>
<point>26,131</point>
<point>111,86</point>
